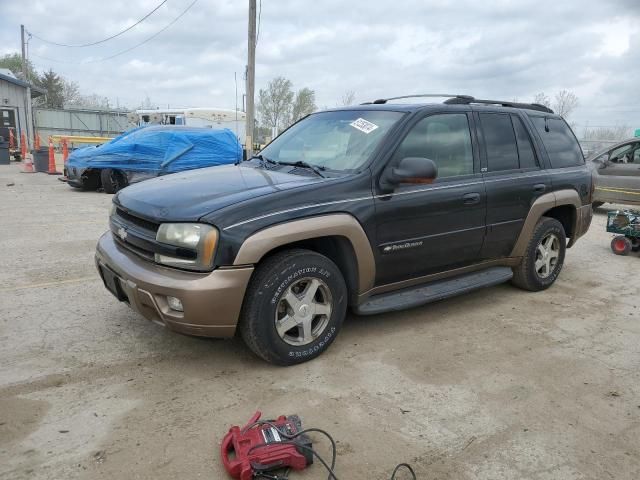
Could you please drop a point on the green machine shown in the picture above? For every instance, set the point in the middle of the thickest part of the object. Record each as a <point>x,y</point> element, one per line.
<point>626,223</point>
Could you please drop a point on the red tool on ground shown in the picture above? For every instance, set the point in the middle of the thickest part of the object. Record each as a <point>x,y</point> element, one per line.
<point>265,446</point>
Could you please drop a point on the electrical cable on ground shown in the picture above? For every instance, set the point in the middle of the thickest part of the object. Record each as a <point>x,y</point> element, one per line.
<point>104,39</point>
<point>330,468</point>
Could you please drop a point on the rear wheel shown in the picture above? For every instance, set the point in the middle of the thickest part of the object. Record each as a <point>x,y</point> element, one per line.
<point>543,258</point>
<point>621,245</point>
<point>113,180</point>
<point>294,307</point>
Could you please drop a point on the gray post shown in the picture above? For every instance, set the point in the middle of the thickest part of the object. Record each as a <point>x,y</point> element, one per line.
<point>27,102</point>
<point>251,77</point>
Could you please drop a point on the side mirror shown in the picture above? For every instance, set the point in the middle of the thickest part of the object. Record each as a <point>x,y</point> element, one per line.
<point>409,170</point>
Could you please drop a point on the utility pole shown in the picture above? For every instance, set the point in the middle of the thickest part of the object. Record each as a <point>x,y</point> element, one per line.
<point>251,77</point>
<point>27,102</point>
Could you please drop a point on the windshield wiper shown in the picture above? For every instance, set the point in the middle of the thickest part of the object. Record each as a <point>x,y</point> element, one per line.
<point>264,160</point>
<point>301,163</point>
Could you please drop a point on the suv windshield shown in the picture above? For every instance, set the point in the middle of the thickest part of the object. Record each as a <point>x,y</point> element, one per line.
<point>341,140</point>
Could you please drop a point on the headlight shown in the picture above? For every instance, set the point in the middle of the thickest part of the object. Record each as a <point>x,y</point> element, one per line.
<point>194,238</point>
<point>112,210</point>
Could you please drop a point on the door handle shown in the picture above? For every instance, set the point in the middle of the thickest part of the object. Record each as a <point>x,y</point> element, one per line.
<point>471,198</point>
<point>539,187</point>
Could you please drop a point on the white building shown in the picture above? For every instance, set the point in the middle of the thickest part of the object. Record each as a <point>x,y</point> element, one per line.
<point>15,107</point>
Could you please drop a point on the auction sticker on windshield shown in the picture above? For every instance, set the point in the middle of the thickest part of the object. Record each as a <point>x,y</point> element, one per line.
<point>363,125</point>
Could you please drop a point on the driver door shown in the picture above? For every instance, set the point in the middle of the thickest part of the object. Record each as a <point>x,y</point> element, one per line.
<point>423,229</point>
<point>620,174</point>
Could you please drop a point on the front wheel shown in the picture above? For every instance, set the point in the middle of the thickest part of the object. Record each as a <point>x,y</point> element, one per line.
<point>294,307</point>
<point>112,180</point>
<point>543,258</point>
<point>621,245</point>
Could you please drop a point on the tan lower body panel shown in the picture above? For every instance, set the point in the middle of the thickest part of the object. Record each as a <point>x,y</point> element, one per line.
<point>339,224</point>
<point>211,301</point>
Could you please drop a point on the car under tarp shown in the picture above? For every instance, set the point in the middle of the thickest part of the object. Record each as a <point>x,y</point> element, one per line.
<point>158,150</point>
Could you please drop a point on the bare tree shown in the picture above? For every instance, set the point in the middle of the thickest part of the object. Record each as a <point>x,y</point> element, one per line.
<point>542,99</point>
<point>565,103</point>
<point>612,134</point>
<point>275,102</point>
<point>348,98</point>
<point>303,104</point>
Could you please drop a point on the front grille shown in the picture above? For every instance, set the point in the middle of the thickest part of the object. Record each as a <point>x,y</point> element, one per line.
<point>140,222</point>
<point>132,248</point>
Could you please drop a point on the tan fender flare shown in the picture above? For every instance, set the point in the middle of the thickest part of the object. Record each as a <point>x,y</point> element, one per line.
<point>543,204</point>
<point>340,224</point>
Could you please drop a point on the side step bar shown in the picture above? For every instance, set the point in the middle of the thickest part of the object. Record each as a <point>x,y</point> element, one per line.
<point>434,291</point>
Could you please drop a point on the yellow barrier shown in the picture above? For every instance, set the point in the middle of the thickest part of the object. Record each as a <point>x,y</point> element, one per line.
<point>80,139</point>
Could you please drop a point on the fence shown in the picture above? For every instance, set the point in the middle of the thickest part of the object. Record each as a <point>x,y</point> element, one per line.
<point>100,123</point>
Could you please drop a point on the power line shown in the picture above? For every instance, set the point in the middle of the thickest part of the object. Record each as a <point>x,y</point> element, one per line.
<point>105,39</point>
<point>122,52</point>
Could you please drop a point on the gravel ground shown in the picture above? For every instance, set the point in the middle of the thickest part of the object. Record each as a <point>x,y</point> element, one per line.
<point>497,384</point>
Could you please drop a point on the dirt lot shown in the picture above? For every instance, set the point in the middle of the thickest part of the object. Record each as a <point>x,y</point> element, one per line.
<point>498,384</point>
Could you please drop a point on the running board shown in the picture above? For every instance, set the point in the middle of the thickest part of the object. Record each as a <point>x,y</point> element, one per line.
<point>434,291</point>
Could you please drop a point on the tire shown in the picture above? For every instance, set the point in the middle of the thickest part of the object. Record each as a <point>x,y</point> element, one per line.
<point>278,284</point>
<point>112,180</point>
<point>536,272</point>
<point>621,245</point>
<point>597,204</point>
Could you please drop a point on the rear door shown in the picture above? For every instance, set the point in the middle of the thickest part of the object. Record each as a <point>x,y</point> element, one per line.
<point>513,176</point>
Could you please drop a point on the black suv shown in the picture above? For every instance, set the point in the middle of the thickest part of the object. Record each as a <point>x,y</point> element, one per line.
<point>377,207</point>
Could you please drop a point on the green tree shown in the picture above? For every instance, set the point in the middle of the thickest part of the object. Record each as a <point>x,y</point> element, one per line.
<point>303,104</point>
<point>13,62</point>
<point>54,85</point>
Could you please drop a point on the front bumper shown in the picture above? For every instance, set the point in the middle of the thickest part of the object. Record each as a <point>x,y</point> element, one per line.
<point>211,301</point>
<point>74,176</point>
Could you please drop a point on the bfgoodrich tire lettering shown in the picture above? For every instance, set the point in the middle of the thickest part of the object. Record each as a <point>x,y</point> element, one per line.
<point>538,271</point>
<point>293,286</point>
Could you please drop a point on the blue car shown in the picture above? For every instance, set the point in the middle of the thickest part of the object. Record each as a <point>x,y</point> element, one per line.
<point>148,152</point>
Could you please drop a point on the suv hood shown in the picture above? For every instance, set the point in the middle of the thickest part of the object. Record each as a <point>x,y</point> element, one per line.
<point>188,196</point>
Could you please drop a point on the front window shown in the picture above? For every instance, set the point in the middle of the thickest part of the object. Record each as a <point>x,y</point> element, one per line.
<point>341,140</point>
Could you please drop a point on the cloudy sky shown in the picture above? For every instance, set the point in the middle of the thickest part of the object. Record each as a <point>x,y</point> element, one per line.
<point>491,48</point>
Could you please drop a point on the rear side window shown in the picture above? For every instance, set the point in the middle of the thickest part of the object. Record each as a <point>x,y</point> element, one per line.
<point>500,141</point>
<point>525,147</point>
<point>558,139</point>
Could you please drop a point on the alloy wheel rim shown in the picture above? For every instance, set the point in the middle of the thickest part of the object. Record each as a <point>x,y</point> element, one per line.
<point>303,311</point>
<point>547,255</point>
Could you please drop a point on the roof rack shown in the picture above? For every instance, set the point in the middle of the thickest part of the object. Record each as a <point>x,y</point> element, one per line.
<point>468,100</point>
<point>381,101</point>
<point>453,99</point>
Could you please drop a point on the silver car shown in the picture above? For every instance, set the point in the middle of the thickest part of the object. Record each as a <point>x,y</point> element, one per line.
<point>617,173</point>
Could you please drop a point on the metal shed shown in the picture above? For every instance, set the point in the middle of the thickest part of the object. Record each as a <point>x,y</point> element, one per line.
<point>15,108</point>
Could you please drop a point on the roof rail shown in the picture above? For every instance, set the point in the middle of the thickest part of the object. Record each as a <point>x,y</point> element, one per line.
<point>468,100</point>
<point>454,99</point>
<point>433,95</point>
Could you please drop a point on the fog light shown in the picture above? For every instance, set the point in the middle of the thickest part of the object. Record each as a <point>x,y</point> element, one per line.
<point>175,304</point>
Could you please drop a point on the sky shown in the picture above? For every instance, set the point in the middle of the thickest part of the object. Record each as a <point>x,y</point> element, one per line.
<point>495,49</point>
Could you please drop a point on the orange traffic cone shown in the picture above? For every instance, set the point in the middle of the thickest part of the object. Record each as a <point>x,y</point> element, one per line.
<point>12,140</point>
<point>23,145</point>
<point>52,160</point>
<point>27,161</point>
<point>65,150</point>
<point>37,142</point>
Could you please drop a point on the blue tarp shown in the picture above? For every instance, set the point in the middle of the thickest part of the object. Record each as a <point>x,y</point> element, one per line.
<point>162,149</point>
